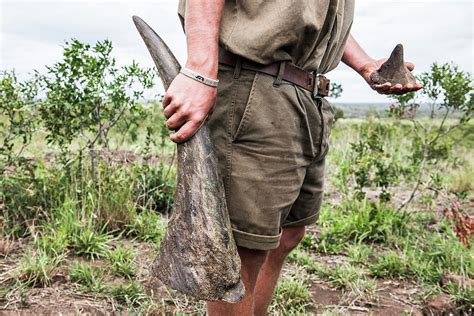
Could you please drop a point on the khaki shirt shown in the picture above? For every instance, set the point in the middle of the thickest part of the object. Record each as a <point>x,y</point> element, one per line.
<point>310,33</point>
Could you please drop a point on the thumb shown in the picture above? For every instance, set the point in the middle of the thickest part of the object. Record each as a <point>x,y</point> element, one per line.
<point>410,66</point>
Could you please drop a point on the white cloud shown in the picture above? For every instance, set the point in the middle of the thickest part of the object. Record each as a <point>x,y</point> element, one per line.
<point>31,33</point>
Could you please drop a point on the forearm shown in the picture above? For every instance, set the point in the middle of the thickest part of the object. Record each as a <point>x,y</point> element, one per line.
<point>354,55</point>
<point>202,24</point>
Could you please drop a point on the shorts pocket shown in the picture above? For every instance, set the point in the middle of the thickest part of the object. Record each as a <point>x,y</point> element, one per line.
<point>243,105</point>
<point>328,120</point>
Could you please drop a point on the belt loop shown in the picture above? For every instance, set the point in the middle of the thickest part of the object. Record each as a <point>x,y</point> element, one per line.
<point>238,68</point>
<point>281,71</point>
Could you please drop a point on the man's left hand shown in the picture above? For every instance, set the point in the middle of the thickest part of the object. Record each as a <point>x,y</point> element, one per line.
<point>387,88</point>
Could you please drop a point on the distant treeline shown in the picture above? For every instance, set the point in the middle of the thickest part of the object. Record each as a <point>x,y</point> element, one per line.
<point>365,109</point>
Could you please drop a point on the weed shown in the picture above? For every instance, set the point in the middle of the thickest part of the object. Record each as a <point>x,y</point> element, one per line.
<point>390,264</point>
<point>462,295</point>
<point>301,258</point>
<point>359,221</point>
<point>121,261</point>
<point>361,292</point>
<point>53,243</point>
<point>90,243</point>
<point>342,275</point>
<point>292,296</point>
<point>130,294</point>
<point>359,253</point>
<point>38,268</point>
<point>89,278</point>
<point>147,226</point>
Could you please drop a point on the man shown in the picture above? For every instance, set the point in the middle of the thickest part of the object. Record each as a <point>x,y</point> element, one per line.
<point>271,121</point>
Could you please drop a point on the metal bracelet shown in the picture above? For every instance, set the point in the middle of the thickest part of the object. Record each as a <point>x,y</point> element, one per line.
<point>198,77</point>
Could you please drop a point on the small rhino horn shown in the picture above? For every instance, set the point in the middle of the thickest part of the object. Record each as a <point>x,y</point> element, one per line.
<point>396,58</point>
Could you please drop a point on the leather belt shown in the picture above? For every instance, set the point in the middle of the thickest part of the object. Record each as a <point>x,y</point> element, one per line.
<point>318,85</point>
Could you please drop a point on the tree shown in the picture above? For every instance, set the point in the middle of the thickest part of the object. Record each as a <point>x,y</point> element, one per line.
<point>449,93</point>
<point>87,94</point>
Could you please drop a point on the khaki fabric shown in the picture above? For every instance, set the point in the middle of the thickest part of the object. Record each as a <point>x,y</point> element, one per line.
<point>271,141</point>
<point>309,33</point>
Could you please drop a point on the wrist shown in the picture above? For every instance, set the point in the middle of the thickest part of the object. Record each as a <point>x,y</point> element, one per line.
<point>363,66</point>
<point>206,66</point>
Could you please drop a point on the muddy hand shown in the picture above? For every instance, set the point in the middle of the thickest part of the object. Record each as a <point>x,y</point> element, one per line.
<point>388,87</point>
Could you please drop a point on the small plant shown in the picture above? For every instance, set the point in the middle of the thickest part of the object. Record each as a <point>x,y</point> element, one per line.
<point>390,264</point>
<point>38,268</point>
<point>147,226</point>
<point>462,295</point>
<point>359,253</point>
<point>130,294</point>
<point>91,243</point>
<point>89,278</point>
<point>342,275</point>
<point>292,296</point>
<point>53,243</point>
<point>121,261</point>
<point>371,163</point>
<point>301,258</point>
<point>354,221</point>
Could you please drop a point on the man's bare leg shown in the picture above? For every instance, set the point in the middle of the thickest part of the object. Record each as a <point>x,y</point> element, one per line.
<point>270,271</point>
<point>252,261</point>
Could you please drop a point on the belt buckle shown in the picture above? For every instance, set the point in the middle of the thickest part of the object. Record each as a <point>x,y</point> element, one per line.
<point>321,86</point>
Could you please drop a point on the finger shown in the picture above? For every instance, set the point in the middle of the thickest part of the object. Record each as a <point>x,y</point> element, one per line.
<point>185,132</point>
<point>397,88</point>
<point>170,110</point>
<point>410,66</point>
<point>175,121</point>
<point>382,88</point>
<point>166,100</point>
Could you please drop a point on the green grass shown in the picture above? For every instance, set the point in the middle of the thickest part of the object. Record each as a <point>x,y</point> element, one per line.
<point>37,268</point>
<point>121,261</point>
<point>91,243</point>
<point>390,264</point>
<point>88,277</point>
<point>130,294</point>
<point>352,221</point>
<point>341,276</point>
<point>359,253</point>
<point>292,296</point>
<point>147,226</point>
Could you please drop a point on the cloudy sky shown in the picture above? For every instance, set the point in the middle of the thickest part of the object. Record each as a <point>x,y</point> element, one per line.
<point>32,32</point>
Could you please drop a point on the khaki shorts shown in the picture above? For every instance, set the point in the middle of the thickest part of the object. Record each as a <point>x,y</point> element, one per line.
<point>271,140</point>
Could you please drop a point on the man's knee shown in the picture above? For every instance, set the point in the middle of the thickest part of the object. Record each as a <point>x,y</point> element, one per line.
<point>291,237</point>
<point>252,258</point>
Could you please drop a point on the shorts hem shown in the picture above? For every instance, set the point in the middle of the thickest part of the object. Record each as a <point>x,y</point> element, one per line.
<point>254,241</point>
<point>303,222</point>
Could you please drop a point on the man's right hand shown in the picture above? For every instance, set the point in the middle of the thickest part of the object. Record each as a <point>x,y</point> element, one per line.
<point>187,103</point>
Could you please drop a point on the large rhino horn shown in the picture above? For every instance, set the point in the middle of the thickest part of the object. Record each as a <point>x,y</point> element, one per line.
<point>167,65</point>
<point>198,255</point>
